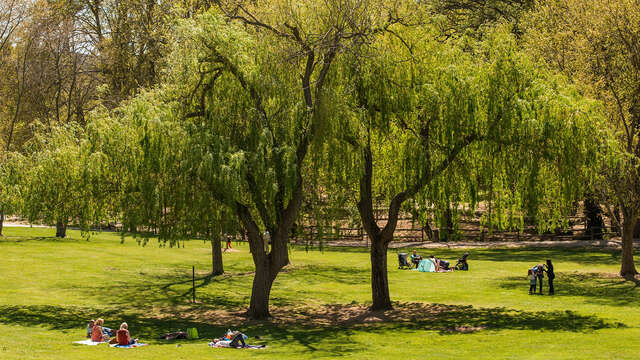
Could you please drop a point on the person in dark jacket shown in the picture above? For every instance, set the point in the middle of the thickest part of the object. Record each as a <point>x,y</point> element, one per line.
<point>550,276</point>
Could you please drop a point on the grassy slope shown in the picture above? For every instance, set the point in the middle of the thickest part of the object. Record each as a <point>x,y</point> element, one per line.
<point>50,288</point>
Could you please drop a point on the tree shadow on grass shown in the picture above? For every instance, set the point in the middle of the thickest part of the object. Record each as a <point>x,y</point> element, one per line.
<point>314,274</point>
<point>229,291</point>
<point>327,328</point>
<point>49,239</point>
<point>597,288</point>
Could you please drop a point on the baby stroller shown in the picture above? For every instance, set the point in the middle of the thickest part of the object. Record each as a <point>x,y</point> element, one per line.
<point>462,263</point>
<point>402,261</point>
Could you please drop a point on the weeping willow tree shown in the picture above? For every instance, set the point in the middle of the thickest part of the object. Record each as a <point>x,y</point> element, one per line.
<point>149,176</point>
<point>56,179</point>
<point>11,184</point>
<point>248,89</point>
<point>427,118</point>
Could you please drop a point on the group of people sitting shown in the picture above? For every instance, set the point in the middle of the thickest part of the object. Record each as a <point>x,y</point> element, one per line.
<point>99,333</point>
<point>536,275</point>
<point>432,263</point>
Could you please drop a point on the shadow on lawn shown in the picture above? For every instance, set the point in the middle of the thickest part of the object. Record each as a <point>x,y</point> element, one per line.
<point>229,291</point>
<point>49,239</point>
<point>598,288</point>
<point>327,328</point>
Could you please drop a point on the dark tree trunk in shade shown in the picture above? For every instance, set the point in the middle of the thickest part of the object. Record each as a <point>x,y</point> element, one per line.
<point>628,268</point>
<point>595,222</point>
<point>61,229</point>
<point>217,266</point>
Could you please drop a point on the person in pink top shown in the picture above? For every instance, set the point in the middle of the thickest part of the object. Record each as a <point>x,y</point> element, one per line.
<point>96,332</point>
<point>123,336</point>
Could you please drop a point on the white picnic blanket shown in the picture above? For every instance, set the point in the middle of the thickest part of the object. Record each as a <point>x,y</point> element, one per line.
<point>89,342</point>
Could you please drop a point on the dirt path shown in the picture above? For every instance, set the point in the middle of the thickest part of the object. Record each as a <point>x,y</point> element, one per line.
<point>613,243</point>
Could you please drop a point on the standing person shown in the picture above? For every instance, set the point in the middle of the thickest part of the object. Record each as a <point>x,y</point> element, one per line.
<point>539,271</point>
<point>228,243</point>
<point>550,276</point>
<point>267,240</point>
<point>532,282</point>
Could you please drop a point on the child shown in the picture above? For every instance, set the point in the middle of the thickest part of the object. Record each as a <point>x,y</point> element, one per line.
<point>228,243</point>
<point>539,272</point>
<point>532,282</point>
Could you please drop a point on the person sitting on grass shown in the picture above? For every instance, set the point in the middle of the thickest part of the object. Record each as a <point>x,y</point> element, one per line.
<point>90,327</point>
<point>435,262</point>
<point>123,336</point>
<point>415,258</point>
<point>97,334</point>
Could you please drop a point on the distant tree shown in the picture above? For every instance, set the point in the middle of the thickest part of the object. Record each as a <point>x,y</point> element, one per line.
<point>596,44</point>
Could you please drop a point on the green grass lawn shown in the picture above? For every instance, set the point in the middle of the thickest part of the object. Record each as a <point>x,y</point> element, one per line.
<point>50,288</point>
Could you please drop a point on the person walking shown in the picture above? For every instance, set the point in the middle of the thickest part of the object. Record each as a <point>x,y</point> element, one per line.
<point>550,276</point>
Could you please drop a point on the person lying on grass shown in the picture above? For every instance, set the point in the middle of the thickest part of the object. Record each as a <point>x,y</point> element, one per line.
<point>123,337</point>
<point>440,265</point>
<point>232,340</point>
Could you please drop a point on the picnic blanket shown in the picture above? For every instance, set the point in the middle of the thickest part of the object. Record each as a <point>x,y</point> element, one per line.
<point>128,346</point>
<point>89,342</point>
<point>426,265</point>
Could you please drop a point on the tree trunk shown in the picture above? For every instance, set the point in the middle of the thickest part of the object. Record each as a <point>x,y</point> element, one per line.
<point>595,223</point>
<point>379,282</point>
<point>1,223</point>
<point>260,291</point>
<point>61,229</point>
<point>379,238</point>
<point>268,265</point>
<point>628,268</point>
<point>217,267</point>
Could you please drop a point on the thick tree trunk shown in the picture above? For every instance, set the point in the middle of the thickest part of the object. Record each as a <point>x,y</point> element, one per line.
<point>268,265</point>
<point>379,282</point>
<point>379,238</point>
<point>260,291</point>
<point>61,229</point>
<point>217,266</point>
<point>628,268</point>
